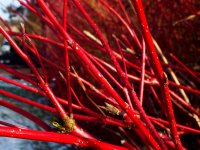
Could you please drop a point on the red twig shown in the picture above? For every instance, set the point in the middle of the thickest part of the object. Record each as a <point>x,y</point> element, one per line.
<point>25,114</point>
<point>65,8</point>
<point>56,137</point>
<point>158,71</point>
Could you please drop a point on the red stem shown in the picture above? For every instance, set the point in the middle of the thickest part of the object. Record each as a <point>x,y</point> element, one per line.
<point>56,137</point>
<point>158,71</point>
<point>26,114</point>
<point>8,124</point>
<point>27,101</point>
<point>67,66</point>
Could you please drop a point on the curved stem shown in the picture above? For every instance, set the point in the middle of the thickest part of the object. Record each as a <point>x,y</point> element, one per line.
<point>26,114</point>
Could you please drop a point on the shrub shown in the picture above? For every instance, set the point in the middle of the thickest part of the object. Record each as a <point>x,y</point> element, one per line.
<point>106,91</point>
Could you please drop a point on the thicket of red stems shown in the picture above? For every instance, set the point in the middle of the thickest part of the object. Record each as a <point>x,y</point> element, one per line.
<point>114,87</point>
